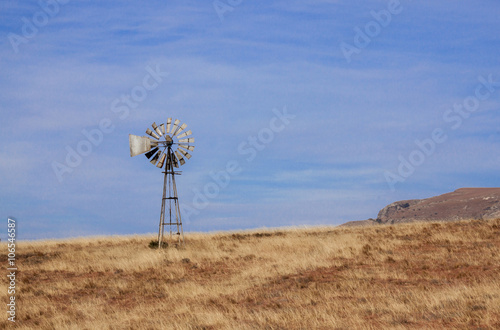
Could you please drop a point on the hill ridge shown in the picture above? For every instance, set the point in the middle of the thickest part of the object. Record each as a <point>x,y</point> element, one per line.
<point>461,204</point>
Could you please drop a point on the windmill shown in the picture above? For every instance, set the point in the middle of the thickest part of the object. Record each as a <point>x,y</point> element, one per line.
<point>167,148</point>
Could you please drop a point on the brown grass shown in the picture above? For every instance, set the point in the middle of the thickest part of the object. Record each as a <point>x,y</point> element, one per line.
<point>424,275</point>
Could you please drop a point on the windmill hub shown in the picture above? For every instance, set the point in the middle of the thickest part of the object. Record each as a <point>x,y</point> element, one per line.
<point>160,153</point>
<point>169,140</point>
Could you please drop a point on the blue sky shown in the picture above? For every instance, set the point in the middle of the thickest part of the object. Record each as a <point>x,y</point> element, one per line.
<point>66,69</point>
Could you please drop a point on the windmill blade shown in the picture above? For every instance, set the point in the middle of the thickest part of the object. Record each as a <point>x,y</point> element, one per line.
<point>184,134</point>
<point>153,134</point>
<point>184,153</point>
<point>189,140</point>
<point>157,129</point>
<point>185,146</point>
<point>181,159</point>
<point>175,126</point>
<point>154,160</point>
<point>139,144</point>
<point>162,160</point>
<point>162,127</point>
<point>174,161</point>
<point>183,127</point>
<point>151,153</point>
<point>169,122</point>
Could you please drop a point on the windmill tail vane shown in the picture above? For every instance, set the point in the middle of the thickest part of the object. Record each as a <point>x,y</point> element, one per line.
<point>167,147</point>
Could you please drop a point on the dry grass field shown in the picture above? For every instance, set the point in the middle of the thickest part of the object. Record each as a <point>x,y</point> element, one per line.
<point>423,275</point>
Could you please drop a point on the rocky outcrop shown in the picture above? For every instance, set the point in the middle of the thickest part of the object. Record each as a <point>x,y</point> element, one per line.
<point>462,204</point>
<point>393,210</point>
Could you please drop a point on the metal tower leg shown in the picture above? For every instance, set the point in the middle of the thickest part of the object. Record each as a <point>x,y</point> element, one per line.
<point>178,220</point>
<point>162,214</point>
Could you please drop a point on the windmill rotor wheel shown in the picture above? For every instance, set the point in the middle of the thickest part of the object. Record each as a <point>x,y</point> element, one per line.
<point>162,138</point>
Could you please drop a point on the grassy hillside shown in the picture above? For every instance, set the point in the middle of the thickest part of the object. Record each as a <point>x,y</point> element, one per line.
<point>430,275</point>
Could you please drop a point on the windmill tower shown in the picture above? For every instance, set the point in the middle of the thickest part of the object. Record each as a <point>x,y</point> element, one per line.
<point>167,148</point>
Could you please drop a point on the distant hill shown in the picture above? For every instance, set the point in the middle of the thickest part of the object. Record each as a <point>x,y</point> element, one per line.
<point>462,204</point>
